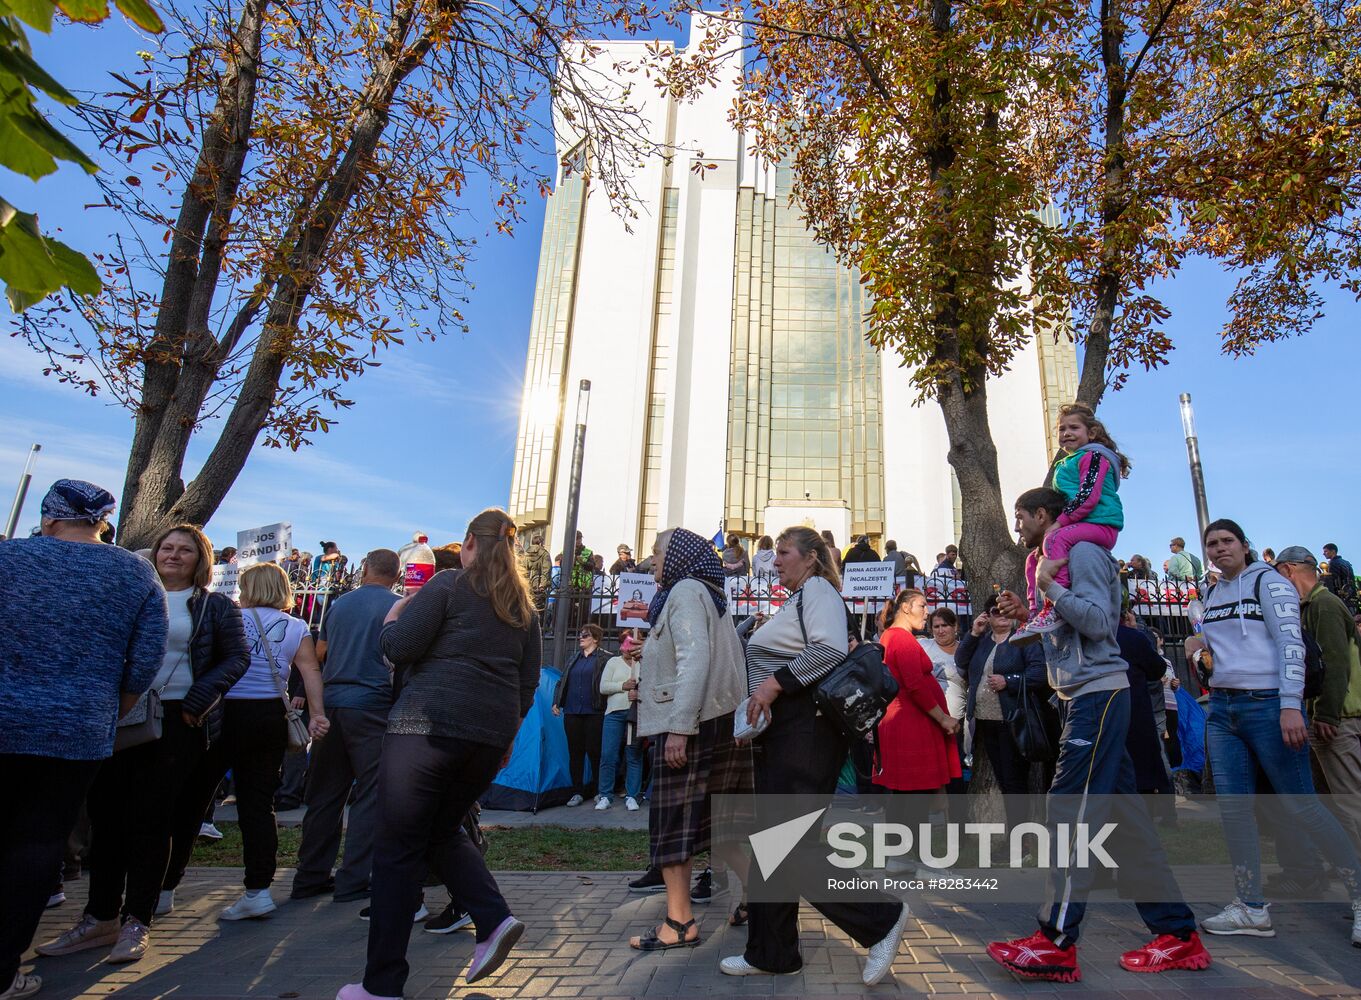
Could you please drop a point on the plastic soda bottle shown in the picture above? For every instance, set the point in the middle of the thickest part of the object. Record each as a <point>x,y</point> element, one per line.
<point>418,563</point>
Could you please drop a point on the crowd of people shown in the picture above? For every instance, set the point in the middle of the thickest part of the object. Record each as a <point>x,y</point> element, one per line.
<point>130,690</point>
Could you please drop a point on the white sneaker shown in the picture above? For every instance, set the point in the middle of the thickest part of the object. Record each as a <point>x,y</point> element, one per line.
<point>165,903</point>
<point>601,804</point>
<point>1239,918</point>
<point>133,941</point>
<point>87,933</point>
<point>631,804</point>
<point>56,899</point>
<point>882,953</point>
<point>1356,925</point>
<point>249,907</point>
<point>575,800</point>
<point>209,831</point>
<point>23,986</point>
<point>737,965</point>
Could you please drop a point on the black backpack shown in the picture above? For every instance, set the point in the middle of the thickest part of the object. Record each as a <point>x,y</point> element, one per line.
<point>856,693</point>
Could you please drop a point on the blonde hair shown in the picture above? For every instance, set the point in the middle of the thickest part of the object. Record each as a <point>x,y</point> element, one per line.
<point>1096,430</point>
<point>496,574</point>
<point>203,568</point>
<point>265,585</point>
<point>809,542</point>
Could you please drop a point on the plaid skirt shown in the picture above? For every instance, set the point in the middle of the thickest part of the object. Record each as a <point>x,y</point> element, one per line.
<point>682,812</point>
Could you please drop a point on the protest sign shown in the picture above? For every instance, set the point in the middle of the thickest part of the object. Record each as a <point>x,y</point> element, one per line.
<point>225,581</point>
<point>867,579</point>
<point>636,591</point>
<point>269,543</point>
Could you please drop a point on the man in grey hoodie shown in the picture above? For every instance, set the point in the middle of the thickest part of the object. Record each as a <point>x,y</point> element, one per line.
<point>1094,780</point>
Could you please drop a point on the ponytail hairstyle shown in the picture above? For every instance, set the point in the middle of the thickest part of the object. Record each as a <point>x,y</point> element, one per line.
<point>496,574</point>
<point>810,543</point>
<point>1096,429</point>
<point>890,611</point>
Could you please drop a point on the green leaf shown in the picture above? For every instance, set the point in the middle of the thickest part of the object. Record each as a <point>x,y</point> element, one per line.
<point>40,132</point>
<point>142,14</point>
<point>37,13</point>
<point>21,64</point>
<point>33,267</point>
<point>20,154</point>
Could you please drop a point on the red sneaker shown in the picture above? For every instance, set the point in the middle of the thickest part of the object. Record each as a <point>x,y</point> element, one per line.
<point>1036,957</point>
<point>1167,951</point>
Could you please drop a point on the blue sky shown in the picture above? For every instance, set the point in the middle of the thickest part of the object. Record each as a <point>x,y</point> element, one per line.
<point>431,439</point>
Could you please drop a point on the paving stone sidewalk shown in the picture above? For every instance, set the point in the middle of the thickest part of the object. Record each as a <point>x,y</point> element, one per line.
<point>575,947</point>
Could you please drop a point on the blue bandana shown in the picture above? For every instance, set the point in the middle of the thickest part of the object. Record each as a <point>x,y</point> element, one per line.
<point>689,557</point>
<point>77,500</point>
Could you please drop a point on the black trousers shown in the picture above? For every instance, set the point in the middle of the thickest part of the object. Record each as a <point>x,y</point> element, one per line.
<point>134,802</point>
<point>802,753</point>
<point>584,734</point>
<point>348,756</point>
<point>1012,770</point>
<point>426,785</point>
<point>252,746</point>
<point>42,797</point>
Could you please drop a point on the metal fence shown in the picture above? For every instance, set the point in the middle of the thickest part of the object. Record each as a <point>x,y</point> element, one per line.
<point>1160,606</point>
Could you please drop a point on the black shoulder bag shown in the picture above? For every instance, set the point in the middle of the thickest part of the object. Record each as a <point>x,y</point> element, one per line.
<point>856,693</point>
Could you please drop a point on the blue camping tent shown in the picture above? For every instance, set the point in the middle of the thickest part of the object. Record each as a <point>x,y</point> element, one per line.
<point>537,776</point>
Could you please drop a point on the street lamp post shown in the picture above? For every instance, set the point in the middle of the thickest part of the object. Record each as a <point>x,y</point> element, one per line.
<point>562,613</point>
<point>17,508</point>
<point>1188,426</point>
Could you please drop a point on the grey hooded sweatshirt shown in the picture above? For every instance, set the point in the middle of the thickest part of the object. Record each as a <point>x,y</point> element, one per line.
<point>1082,655</point>
<point>1252,625</point>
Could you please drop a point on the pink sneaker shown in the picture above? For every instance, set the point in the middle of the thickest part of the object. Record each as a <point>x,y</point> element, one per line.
<point>356,991</point>
<point>1037,628</point>
<point>489,954</point>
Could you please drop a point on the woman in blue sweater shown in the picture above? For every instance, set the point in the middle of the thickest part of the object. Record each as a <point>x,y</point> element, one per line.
<point>82,635</point>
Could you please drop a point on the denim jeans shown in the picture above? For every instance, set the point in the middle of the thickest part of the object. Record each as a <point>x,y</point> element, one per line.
<point>611,740</point>
<point>1244,732</point>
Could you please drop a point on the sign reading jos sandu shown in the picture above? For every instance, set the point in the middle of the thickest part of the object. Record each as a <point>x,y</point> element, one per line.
<point>267,544</point>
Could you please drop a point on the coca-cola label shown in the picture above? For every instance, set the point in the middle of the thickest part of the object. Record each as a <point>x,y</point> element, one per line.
<point>418,575</point>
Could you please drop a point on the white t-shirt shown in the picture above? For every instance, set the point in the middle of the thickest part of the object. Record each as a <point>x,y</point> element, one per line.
<point>947,674</point>
<point>285,635</point>
<point>175,667</point>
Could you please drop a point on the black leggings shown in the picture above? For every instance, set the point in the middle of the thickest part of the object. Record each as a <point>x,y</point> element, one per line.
<point>134,803</point>
<point>42,797</point>
<point>426,785</point>
<point>252,746</point>
<point>584,734</point>
<point>1011,769</point>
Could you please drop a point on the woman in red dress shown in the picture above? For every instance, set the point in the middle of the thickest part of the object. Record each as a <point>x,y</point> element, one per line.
<point>917,748</point>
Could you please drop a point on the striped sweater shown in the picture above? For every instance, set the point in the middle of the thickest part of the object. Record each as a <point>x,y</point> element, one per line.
<point>797,653</point>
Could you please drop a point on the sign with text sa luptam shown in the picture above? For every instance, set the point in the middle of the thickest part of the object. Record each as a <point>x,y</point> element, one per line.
<point>260,545</point>
<point>867,579</point>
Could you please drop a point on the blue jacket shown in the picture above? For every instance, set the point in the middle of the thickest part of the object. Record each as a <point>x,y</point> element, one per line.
<point>1012,663</point>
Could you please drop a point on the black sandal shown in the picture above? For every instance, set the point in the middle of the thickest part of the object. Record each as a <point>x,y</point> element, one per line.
<point>739,916</point>
<point>651,942</point>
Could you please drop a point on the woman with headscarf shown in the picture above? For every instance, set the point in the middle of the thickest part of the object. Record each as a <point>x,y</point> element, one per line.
<point>82,635</point>
<point>690,683</point>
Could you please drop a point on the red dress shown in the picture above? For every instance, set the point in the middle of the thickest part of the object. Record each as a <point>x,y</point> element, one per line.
<point>915,753</point>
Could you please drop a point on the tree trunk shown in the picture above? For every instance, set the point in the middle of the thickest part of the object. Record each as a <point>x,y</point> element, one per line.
<point>1097,344</point>
<point>185,358</point>
<point>163,499</point>
<point>988,550</point>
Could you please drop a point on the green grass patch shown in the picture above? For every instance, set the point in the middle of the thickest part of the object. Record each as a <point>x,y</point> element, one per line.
<point>531,848</point>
